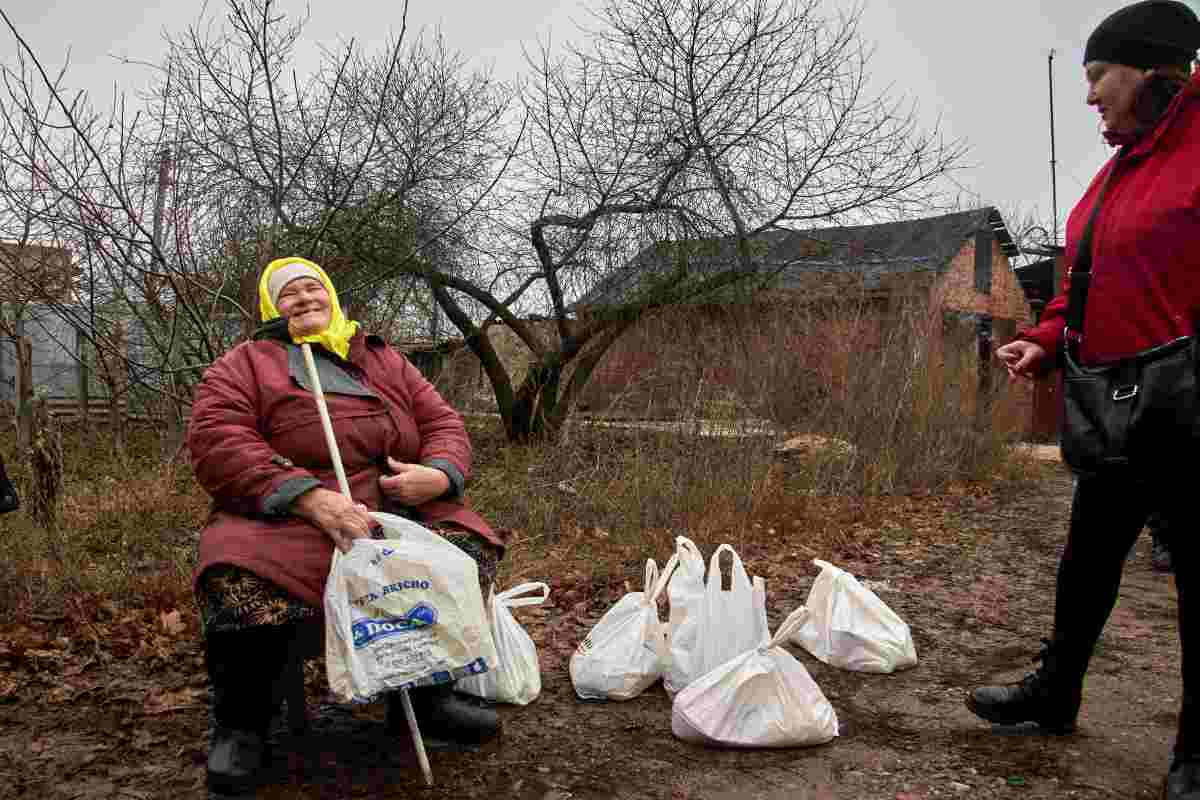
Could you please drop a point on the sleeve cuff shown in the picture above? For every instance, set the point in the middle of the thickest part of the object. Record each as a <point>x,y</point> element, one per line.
<point>455,492</point>
<point>279,502</point>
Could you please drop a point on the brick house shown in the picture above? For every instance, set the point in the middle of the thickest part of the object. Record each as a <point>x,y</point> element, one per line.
<point>1041,281</point>
<point>956,264</point>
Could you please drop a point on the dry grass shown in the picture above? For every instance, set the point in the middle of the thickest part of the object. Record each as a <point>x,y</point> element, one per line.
<point>596,504</point>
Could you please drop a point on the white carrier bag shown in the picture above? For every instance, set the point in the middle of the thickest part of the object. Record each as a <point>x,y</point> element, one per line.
<point>401,612</point>
<point>732,621</point>
<point>626,651</point>
<point>762,698</point>
<point>517,677</point>
<point>685,594</point>
<point>846,625</point>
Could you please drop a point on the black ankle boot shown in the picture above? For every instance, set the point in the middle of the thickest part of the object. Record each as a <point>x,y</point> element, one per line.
<point>443,714</point>
<point>1049,697</point>
<point>244,668</point>
<point>1183,781</point>
<point>1160,554</point>
<point>235,760</point>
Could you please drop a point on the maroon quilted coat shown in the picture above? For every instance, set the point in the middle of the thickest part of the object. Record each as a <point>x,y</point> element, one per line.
<point>255,437</point>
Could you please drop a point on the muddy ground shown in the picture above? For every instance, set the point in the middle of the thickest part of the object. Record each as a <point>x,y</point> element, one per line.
<point>972,574</point>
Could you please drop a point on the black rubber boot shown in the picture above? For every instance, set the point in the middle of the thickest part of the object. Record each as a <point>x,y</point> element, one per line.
<point>443,714</point>
<point>244,668</point>
<point>1182,781</point>
<point>1049,697</point>
<point>1160,554</point>
<point>235,761</point>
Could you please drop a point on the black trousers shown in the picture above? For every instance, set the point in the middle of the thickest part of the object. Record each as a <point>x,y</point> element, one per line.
<point>1107,515</point>
<point>245,668</point>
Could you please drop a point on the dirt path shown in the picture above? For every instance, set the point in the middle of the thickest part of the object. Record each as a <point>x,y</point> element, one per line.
<point>973,578</point>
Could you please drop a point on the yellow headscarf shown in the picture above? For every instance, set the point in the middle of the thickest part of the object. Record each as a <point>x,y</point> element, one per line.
<point>336,337</point>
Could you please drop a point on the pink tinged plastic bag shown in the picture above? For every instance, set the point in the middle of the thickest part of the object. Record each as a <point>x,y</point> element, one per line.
<point>846,625</point>
<point>626,651</point>
<point>761,698</point>
<point>733,620</point>
<point>401,612</point>
<point>685,594</point>
<point>517,678</point>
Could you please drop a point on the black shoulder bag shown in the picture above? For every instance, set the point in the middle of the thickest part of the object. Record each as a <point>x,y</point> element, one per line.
<point>1129,414</point>
<point>8,492</point>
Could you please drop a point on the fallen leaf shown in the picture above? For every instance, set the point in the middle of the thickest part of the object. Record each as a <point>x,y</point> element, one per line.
<point>172,622</point>
<point>167,702</point>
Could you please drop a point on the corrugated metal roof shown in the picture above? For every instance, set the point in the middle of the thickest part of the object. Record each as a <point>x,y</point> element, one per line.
<point>782,258</point>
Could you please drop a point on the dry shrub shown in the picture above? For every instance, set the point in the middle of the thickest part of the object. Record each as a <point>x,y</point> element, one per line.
<point>899,382</point>
<point>609,497</point>
<point>125,524</point>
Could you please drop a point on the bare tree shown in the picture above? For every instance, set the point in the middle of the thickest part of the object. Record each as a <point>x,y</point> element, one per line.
<point>368,164</point>
<point>653,156</point>
<point>704,124</point>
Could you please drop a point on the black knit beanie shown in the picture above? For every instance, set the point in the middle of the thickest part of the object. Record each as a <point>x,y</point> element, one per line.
<point>1146,34</point>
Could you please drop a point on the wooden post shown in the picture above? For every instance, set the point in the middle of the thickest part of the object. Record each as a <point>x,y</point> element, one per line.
<point>83,379</point>
<point>24,392</point>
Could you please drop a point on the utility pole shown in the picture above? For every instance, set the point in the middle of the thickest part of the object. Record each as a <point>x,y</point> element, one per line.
<point>1053,162</point>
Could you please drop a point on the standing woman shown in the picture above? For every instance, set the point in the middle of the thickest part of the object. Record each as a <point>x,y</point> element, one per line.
<point>1145,292</point>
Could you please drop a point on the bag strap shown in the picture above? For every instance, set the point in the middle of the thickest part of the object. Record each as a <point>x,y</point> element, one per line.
<point>685,547</point>
<point>793,623</point>
<point>512,597</point>
<point>650,575</point>
<point>652,592</point>
<point>737,571</point>
<point>1081,270</point>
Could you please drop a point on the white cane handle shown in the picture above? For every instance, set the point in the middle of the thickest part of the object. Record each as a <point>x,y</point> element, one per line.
<point>335,455</point>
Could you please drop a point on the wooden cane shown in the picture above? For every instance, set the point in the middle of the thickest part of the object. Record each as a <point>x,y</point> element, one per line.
<point>336,456</point>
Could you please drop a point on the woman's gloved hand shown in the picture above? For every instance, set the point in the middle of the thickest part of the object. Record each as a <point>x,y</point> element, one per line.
<point>339,517</point>
<point>413,484</point>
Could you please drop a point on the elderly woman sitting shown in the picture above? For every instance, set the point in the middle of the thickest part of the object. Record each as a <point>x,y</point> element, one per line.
<point>258,449</point>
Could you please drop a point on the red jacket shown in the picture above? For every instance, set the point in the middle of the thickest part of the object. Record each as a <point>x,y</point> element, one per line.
<point>1145,288</point>
<point>254,429</point>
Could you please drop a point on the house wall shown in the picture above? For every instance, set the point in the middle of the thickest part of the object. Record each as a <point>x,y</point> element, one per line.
<point>1005,306</point>
<point>956,289</point>
<point>779,355</point>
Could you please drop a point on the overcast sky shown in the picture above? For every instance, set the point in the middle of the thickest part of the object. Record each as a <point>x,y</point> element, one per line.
<point>981,66</point>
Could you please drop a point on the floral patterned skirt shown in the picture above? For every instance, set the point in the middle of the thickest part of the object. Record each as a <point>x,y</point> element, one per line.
<point>232,598</point>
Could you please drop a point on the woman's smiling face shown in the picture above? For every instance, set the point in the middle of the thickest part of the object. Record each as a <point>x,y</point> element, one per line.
<point>305,304</point>
<point>1113,89</point>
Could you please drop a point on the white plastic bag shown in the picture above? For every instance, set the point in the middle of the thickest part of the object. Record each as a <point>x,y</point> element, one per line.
<point>517,677</point>
<point>762,698</point>
<point>626,651</point>
<point>732,621</point>
<point>846,625</point>
<point>685,593</point>
<point>401,612</point>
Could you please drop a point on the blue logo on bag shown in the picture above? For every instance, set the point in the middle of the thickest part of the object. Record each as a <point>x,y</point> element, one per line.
<point>366,631</point>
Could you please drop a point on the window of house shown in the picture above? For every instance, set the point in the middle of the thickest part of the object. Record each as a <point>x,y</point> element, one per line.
<point>983,262</point>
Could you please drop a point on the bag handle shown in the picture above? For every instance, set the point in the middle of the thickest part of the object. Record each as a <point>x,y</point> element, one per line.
<point>650,575</point>
<point>652,592</point>
<point>512,597</point>
<point>737,571</point>
<point>794,622</point>
<point>685,547</point>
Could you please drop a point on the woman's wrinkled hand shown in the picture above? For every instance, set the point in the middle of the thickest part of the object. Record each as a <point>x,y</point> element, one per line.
<point>413,484</point>
<point>1021,358</point>
<point>339,517</point>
